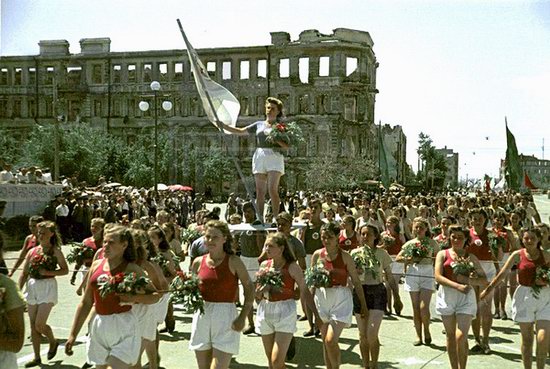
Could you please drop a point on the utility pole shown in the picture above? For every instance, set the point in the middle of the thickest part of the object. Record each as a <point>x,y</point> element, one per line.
<point>56,131</point>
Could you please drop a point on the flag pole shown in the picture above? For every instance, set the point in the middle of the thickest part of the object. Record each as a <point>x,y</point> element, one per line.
<point>235,161</point>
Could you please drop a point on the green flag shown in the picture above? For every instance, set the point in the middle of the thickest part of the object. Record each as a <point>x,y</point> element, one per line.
<point>512,171</point>
<point>383,160</point>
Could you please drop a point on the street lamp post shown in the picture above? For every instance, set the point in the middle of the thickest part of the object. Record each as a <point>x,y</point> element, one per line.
<point>144,106</point>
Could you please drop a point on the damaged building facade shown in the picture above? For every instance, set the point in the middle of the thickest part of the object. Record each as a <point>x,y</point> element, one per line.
<point>326,82</point>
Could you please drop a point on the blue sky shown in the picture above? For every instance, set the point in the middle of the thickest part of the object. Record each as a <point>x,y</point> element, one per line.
<point>452,69</point>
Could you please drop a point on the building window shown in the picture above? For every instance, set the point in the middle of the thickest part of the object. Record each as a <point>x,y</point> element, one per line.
<point>245,69</point>
<point>350,108</point>
<point>48,76</point>
<point>321,103</point>
<point>97,74</point>
<point>97,108</point>
<point>131,108</point>
<point>261,105</point>
<point>262,68</point>
<point>178,71</point>
<point>16,109</point>
<point>303,69</point>
<point>324,66</point>
<point>131,73</point>
<point>31,108</point>
<point>117,109</point>
<point>4,76</point>
<point>303,104</point>
<point>17,76</point>
<point>211,69</point>
<point>3,108</point>
<point>163,72</point>
<point>226,70</point>
<point>117,71</point>
<point>147,72</point>
<point>48,104</point>
<point>284,68</point>
<point>32,76</point>
<point>244,106</point>
<point>73,75</point>
<point>351,65</point>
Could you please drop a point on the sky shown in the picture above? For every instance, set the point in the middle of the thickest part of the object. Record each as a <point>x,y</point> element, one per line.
<point>451,69</point>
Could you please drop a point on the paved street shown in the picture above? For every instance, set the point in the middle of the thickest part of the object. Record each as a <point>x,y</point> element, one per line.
<point>397,335</point>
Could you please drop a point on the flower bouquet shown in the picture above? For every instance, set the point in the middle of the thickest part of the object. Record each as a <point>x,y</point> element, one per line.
<point>388,240</point>
<point>190,235</point>
<point>317,276</point>
<point>123,283</point>
<point>463,266</point>
<point>418,249</point>
<point>269,277</point>
<point>366,260</point>
<point>288,133</point>
<point>185,291</point>
<point>542,278</point>
<point>79,253</point>
<point>41,261</point>
<point>162,262</point>
<point>497,240</point>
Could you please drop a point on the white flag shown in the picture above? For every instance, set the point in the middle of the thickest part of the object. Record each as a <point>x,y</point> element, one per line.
<point>218,103</point>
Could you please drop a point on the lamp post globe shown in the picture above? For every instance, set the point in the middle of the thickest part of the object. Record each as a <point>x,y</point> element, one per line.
<point>167,105</point>
<point>143,105</point>
<point>155,86</point>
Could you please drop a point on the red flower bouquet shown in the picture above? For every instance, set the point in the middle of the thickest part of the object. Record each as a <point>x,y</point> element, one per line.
<point>80,253</point>
<point>185,291</point>
<point>418,249</point>
<point>288,133</point>
<point>122,283</point>
<point>41,261</point>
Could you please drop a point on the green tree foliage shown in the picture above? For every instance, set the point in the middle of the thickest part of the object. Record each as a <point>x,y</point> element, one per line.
<point>325,173</point>
<point>434,167</point>
<point>203,168</point>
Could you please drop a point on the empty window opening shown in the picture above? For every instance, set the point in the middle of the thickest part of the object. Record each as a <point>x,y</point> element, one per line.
<point>147,73</point>
<point>324,66</point>
<point>226,70</point>
<point>17,76</point>
<point>131,73</point>
<point>116,73</point>
<point>303,69</point>
<point>351,65</point>
<point>245,69</point>
<point>284,68</point>
<point>178,71</point>
<point>32,76</point>
<point>4,76</point>
<point>163,71</point>
<point>262,68</point>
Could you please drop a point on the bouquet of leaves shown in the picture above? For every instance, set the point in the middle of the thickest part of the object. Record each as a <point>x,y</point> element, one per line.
<point>190,235</point>
<point>79,253</point>
<point>289,133</point>
<point>270,277</point>
<point>463,266</point>
<point>41,261</point>
<point>388,240</point>
<point>123,283</point>
<point>418,249</point>
<point>542,278</point>
<point>497,240</point>
<point>185,291</point>
<point>366,260</point>
<point>317,276</point>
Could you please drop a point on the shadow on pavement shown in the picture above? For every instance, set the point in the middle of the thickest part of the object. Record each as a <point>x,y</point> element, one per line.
<point>506,330</point>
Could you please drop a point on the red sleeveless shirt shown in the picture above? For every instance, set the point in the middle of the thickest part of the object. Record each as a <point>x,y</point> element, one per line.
<point>111,303</point>
<point>337,268</point>
<point>217,284</point>
<point>348,244</point>
<point>527,268</point>
<point>30,242</point>
<point>89,242</point>
<point>482,252</point>
<point>287,292</point>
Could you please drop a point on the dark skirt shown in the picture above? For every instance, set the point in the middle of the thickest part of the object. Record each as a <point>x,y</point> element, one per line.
<point>375,295</point>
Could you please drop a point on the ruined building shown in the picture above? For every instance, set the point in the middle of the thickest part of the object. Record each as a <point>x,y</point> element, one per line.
<point>327,83</point>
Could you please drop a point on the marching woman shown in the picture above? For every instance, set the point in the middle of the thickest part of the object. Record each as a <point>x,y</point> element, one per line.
<point>418,254</point>
<point>39,271</point>
<point>95,242</point>
<point>335,303</point>
<point>395,240</point>
<point>531,301</point>
<point>276,313</point>
<point>29,243</point>
<point>456,271</point>
<point>115,339</point>
<point>215,333</point>
<point>348,239</point>
<point>479,246</point>
<point>267,163</point>
<point>375,293</point>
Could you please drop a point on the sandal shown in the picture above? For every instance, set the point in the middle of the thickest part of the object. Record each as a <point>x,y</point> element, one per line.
<point>33,363</point>
<point>53,352</point>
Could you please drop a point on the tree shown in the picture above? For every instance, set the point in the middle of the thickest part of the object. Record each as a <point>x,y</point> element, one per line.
<point>203,168</point>
<point>326,173</point>
<point>434,168</point>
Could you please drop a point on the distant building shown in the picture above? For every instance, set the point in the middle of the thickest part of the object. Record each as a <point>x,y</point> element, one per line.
<point>395,143</point>
<point>537,169</point>
<point>327,83</point>
<point>451,158</point>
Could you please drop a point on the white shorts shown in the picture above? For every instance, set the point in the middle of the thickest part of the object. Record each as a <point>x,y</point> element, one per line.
<point>397,268</point>
<point>213,328</point>
<point>266,160</point>
<point>114,335</point>
<point>147,324</point>
<point>489,269</point>
<point>162,308</point>
<point>41,291</point>
<point>526,308</point>
<point>8,360</point>
<point>419,277</point>
<point>450,301</point>
<point>334,304</point>
<point>276,316</point>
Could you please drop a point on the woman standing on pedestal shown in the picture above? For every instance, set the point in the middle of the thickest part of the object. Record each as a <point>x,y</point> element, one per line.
<point>267,163</point>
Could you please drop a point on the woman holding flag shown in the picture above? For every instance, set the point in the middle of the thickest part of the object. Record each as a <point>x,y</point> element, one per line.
<point>267,163</point>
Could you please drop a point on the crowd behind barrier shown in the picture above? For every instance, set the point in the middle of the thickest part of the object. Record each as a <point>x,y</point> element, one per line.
<point>163,228</point>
